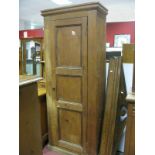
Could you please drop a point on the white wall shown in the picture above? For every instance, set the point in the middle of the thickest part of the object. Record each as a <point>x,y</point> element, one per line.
<point>128,72</point>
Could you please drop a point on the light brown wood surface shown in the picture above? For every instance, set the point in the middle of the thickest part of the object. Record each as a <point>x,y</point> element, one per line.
<point>27,79</point>
<point>29,120</point>
<point>75,76</point>
<point>128,53</point>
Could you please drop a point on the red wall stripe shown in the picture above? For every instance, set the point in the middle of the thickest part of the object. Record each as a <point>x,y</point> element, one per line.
<point>112,29</point>
<point>120,28</point>
<point>36,33</point>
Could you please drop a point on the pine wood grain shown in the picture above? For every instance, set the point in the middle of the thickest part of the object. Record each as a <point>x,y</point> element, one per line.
<point>75,76</point>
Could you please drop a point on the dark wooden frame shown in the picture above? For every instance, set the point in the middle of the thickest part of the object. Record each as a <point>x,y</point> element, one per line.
<point>130,126</point>
<point>115,107</point>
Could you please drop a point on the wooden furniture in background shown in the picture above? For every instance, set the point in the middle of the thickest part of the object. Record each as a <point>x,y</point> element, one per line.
<point>112,54</point>
<point>24,41</point>
<point>128,53</point>
<point>41,84</point>
<point>129,57</point>
<point>130,128</point>
<point>115,109</point>
<point>43,111</point>
<point>20,61</point>
<point>75,76</point>
<point>29,117</point>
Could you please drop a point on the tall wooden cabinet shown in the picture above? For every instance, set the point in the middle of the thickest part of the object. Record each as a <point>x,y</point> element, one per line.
<point>75,76</point>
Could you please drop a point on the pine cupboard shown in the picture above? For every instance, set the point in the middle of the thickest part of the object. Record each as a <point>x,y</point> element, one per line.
<point>75,76</point>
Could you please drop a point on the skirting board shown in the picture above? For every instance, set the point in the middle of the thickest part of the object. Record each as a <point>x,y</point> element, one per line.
<point>59,150</point>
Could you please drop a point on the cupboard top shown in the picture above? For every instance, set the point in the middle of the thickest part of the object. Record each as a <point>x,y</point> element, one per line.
<point>72,8</point>
<point>24,80</point>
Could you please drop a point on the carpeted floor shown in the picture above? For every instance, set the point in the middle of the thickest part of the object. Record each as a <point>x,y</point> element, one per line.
<point>46,151</point>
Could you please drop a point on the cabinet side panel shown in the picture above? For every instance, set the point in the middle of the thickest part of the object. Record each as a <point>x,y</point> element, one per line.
<point>96,78</point>
<point>92,84</point>
<point>101,71</point>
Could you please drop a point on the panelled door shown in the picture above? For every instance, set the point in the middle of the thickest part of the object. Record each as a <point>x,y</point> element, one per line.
<point>68,47</point>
